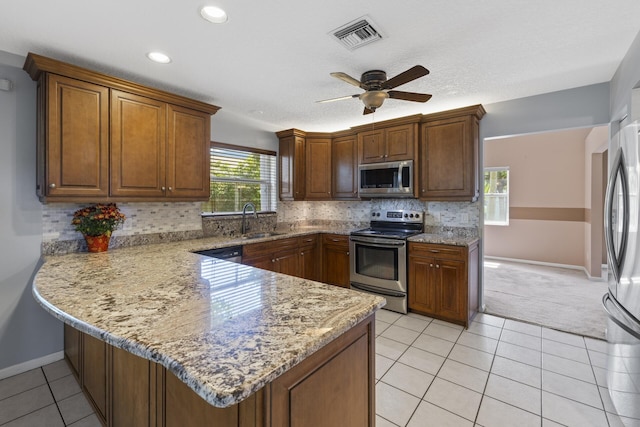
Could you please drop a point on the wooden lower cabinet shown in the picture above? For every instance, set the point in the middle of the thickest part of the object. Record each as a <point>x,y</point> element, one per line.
<point>310,258</point>
<point>443,281</point>
<point>335,259</point>
<point>94,374</point>
<point>335,386</point>
<point>72,350</point>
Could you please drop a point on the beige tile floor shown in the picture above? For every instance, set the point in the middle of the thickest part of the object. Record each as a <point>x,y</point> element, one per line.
<point>429,373</point>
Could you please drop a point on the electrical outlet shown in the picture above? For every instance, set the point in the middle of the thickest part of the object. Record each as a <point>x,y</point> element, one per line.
<point>464,217</point>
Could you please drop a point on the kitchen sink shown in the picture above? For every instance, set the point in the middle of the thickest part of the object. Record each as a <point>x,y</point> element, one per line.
<point>261,235</point>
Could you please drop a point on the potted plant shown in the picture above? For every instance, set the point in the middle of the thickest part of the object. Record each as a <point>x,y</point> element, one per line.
<point>96,223</point>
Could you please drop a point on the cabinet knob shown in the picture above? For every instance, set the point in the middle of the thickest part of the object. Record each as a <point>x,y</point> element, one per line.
<point>347,253</point>
<point>163,188</point>
<point>430,265</point>
<point>170,189</point>
<point>301,253</point>
<point>437,265</point>
<point>424,191</point>
<point>52,185</point>
<point>273,260</point>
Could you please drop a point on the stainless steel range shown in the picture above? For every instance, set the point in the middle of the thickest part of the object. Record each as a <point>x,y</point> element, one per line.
<point>379,255</point>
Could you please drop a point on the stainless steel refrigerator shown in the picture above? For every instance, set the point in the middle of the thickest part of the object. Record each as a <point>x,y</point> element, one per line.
<point>622,302</point>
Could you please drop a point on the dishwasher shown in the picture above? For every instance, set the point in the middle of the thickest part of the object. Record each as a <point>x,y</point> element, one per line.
<point>231,253</point>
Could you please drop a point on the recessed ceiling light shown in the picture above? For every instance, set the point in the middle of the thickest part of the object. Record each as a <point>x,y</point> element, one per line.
<point>158,57</point>
<point>214,14</point>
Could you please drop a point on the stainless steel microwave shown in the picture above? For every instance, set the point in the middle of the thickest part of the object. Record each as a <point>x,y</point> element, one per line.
<point>388,179</point>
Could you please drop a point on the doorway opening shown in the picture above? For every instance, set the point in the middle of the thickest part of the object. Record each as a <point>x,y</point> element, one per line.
<point>544,263</point>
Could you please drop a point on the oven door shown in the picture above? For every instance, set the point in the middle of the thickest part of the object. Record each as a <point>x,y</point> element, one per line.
<point>379,262</point>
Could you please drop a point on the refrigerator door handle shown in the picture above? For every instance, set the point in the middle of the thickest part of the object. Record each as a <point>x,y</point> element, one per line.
<point>620,316</point>
<point>617,259</point>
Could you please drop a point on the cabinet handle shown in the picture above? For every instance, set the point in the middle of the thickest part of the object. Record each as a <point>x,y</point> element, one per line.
<point>435,251</point>
<point>335,240</point>
<point>52,185</point>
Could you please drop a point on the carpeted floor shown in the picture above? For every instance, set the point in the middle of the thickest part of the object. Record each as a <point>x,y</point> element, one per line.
<point>558,298</point>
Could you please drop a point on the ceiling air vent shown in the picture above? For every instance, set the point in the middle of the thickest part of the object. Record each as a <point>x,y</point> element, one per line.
<point>357,33</point>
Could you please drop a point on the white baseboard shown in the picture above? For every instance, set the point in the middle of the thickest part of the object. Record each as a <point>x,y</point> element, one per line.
<point>550,264</point>
<point>30,364</point>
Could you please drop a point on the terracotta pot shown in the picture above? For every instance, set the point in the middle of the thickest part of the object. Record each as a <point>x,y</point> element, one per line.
<point>97,243</point>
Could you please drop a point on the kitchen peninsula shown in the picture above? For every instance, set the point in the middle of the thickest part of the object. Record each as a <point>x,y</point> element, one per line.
<point>158,335</point>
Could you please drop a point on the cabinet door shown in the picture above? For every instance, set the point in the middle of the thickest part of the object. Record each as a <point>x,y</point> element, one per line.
<point>287,262</point>
<point>371,146</point>
<point>94,373</point>
<point>448,160</point>
<point>265,262</point>
<point>335,259</point>
<point>310,259</point>
<point>291,158</point>
<point>188,155</point>
<point>318,169</point>
<point>332,387</point>
<point>400,142</point>
<point>72,349</point>
<point>76,158</point>
<point>131,387</point>
<point>138,146</point>
<point>344,161</point>
<point>452,289</point>
<point>422,289</point>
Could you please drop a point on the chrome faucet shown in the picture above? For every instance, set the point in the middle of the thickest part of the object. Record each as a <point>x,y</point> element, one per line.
<point>244,216</point>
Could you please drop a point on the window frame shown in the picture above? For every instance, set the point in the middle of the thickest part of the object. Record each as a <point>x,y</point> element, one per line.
<point>272,181</point>
<point>505,195</point>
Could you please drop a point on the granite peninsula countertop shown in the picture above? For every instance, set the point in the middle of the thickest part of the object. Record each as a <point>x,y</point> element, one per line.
<point>224,329</point>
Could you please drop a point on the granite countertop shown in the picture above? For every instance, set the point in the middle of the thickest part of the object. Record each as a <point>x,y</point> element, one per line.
<point>444,239</point>
<point>224,329</point>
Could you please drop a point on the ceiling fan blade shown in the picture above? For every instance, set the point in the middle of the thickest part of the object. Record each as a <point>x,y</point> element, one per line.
<point>409,96</point>
<point>409,75</point>
<point>339,99</point>
<point>367,111</point>
<point>347,78</point>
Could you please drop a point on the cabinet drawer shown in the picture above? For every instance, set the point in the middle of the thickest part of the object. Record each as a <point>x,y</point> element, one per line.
<point>439,251</point>
<point>308,240</point>
<point>335,239</point>
<point>255,249</point>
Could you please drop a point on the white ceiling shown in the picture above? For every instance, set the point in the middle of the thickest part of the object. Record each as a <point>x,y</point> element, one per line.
<point>271,61</point>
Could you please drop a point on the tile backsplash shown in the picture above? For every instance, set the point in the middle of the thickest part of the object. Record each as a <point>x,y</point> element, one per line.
<point>142,218</point>
<point>156,222</point>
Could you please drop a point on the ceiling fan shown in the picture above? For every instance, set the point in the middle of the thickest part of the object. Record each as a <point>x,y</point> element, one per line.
<point>377,87</point>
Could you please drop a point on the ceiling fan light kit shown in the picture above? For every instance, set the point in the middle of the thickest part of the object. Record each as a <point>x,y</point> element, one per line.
<point>377,87</point>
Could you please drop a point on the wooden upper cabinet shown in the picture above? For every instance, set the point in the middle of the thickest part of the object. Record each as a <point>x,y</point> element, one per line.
<point>388,144</point>
<point>292,162</point>
<point>138,145</point>
<point>344,164</point>
<point>103,139</point>
<point>449,155</point>
<point>372,146</point>
<point>188,173</point>
<point>73,138</point>
<point>318,169</point>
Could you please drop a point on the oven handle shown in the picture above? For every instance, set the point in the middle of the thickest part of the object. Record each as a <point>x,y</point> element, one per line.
<point>379,243</point>
<point>377,290</point>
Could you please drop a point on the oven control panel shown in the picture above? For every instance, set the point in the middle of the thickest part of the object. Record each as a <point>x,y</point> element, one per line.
<point>400,215</point>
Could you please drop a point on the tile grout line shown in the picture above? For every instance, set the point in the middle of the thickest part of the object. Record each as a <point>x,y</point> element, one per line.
<point>484,390</point>
<point>55,401</point>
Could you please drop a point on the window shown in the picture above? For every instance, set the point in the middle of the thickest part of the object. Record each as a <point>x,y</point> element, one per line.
<point>496,196</point>
<point>240,175</point>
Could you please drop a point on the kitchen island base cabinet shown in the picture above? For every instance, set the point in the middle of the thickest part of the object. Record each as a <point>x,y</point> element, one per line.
<point>333,386</point>
<point>443,281</point>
